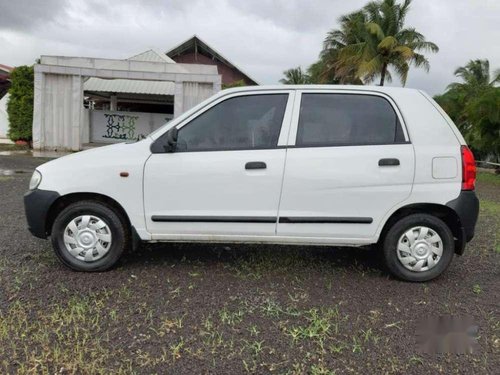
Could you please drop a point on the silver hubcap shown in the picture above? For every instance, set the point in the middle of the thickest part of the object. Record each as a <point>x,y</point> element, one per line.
<point>87,238</point>
<point>420,249</point>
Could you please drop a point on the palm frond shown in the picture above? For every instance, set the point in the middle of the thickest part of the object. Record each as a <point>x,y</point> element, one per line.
<point>294,76</point>
<point>367,68</point>
<point>388,43</point>
<point>403,11</point>
<point>455,86</point>
<point>405,52</point>
<point>424,46</point>
<point>420,61</point>
<point>374,28</point>
<point>402,70</point>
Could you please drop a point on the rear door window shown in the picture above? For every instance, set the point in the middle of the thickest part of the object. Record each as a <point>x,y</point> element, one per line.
<point>347,119</point>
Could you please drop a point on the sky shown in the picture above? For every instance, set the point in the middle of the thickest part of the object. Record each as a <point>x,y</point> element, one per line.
<point>262,37</point>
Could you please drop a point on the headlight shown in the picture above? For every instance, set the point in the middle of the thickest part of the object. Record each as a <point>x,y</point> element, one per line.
<point>35,180</point>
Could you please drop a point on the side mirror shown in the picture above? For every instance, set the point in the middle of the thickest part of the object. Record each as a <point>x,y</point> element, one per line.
<point>171,138</point>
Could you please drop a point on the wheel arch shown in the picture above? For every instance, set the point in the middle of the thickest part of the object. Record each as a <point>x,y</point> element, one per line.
<point>443,212</point>
<point>65,200</point>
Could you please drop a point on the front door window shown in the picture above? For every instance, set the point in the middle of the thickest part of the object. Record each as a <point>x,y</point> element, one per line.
<point>239,123</point>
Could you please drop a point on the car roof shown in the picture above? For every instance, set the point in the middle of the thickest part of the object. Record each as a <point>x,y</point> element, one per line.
<point>381,89</point>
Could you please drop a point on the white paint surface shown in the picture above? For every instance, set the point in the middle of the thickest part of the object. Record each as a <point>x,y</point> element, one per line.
<point>444,167</point>
<point>322,181</point>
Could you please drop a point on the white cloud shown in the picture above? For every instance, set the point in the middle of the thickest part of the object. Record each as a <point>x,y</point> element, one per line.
<point>262,37</point>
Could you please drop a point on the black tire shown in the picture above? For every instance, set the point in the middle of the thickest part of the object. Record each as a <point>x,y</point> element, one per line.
<point>392,237</point>
<point>116,223</point>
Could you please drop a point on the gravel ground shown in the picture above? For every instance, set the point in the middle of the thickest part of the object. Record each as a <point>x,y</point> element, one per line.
<point>184,309</point>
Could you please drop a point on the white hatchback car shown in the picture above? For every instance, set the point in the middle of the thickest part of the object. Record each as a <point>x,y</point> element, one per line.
<point>318,165</point>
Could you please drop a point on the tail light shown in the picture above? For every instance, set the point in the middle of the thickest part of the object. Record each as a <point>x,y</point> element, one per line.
<point>468,169</point>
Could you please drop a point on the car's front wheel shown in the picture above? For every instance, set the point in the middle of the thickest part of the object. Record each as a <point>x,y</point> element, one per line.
<point>89,236</point>
<point>418,247</point>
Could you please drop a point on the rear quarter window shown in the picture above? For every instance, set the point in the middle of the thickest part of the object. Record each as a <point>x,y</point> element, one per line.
<point>347,119</point>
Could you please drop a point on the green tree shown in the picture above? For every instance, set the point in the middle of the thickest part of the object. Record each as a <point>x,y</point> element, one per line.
<point>20,104</point>
<point>453,103</point>
<point>484,113</point>
<point>320,74</point>
<point>295,76</point>
<point>374,39</point>
<point>474,106</point>
<point>476,78</point>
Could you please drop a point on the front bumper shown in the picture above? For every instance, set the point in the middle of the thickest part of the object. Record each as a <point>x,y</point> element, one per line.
<point>37,204</point>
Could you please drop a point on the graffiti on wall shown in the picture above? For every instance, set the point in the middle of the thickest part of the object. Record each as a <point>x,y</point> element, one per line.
<point>113,126</point>
<point>121,127</point>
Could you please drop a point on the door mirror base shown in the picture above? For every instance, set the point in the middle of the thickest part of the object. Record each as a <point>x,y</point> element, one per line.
<point>171,140</point>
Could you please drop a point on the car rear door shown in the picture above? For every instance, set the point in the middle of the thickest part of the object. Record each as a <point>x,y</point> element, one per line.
<point>349,162</point>
<point>225,177</point>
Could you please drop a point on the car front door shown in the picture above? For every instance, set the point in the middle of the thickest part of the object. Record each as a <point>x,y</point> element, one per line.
<point>224,177</point>
<point>349,162</point>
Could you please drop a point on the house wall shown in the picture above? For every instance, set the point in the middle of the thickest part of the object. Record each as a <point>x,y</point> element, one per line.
<point>119,126</point>
<point>4,118</point>
<point>58,114</point>
<point>229,75</point>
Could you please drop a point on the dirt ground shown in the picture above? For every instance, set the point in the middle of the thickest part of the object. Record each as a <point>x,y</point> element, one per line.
<point>227,309</point>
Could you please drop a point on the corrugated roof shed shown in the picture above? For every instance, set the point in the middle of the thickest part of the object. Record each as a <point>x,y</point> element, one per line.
<point>129,86</point>
<point>135,86</point>
<point>146,87</point>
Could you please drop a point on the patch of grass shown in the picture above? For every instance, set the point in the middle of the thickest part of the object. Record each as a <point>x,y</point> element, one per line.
<point>176,349</point>
<point>13,147</point>
<point>5,178</point>
<point>62,338</point>
<point>477,289</point>
<point>488,177</point>
<point>256,263</point>
<point>320,326</point>
<point>231,317</point>
<point>170,325</point>
<point>492,209</point>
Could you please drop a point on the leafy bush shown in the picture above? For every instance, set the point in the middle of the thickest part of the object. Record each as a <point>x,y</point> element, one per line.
<point>20,104</point>
<point>239,83</point>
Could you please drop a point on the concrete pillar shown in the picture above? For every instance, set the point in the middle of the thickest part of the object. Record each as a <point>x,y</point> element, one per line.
<point>178,99</point>
<point>38,111</point>
<point>76,112</point>
<point>217,86</point>
<point>113,103</point>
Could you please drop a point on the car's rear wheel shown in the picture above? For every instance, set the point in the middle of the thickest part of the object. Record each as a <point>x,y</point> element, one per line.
<point>418,247</point>
<point>89,236</point>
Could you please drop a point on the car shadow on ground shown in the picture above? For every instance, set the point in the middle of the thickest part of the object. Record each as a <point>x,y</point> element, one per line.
<point>254,255</point>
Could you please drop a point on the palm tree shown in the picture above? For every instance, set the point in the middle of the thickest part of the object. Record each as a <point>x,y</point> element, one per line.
<point>374,39</point>
<point>474,105</point>
<point>295,76</point>
<point>350,32</point>
<point>476,78</point>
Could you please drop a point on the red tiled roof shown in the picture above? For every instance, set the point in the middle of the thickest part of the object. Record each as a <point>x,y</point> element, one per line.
<point>6,68</point>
